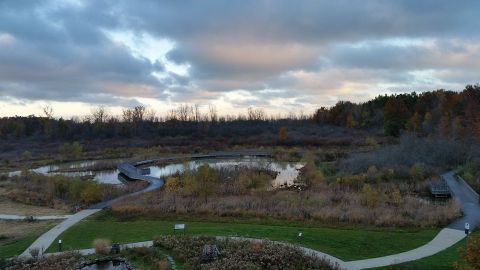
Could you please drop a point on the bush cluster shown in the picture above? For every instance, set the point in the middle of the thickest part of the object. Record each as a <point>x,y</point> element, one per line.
<point>380,197</point>
<point>66,261</point>
<point>206,181</point>
<point>57,190</point>
<point>237,254</point>
<point>471,173</point>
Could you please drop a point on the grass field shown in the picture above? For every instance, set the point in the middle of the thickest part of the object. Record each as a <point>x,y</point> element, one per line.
<point>441,261</point>
<point>345,243</point>
<point>16,247</point>
<point>16,236</point>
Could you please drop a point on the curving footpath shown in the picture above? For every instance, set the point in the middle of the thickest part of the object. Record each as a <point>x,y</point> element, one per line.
<point>446,238</point>
<point>46,239</point>
<point>307,251</point>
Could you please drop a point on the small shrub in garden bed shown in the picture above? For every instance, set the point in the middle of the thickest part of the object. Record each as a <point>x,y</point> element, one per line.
<point>102,246</point>
<point>67,261</point>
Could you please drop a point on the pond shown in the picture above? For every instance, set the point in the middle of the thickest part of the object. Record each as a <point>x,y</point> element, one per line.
<point>69,169</point>
<point>287,172</point>
<point>106,265</point>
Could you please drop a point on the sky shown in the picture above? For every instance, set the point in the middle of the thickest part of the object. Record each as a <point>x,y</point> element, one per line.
<point>280,55</point>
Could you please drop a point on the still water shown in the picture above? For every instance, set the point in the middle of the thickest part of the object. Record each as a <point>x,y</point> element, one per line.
<point>106,265</point>
<point>287,172</point>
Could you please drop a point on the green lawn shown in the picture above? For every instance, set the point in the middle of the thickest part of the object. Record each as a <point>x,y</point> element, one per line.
<point>17,247</point>
<point>441,261</point>
<point>344,243</point>
<point>24,238</point>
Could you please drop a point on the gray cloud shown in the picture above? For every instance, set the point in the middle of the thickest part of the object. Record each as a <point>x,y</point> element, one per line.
<point>69,57</point>
<point>59,51</point>
<point>211,34</point>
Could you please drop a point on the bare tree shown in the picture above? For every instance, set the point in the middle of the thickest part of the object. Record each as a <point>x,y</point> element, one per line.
<point>185,113</point>
<point>48,111</point>
<point>197,114</point>
<point>100,114</point>
<point>138,114</point>
<point>172,115</point>
<point>213,114</point>
<point>150,115</point>
<point>127,115</point>
<point>255,114</point>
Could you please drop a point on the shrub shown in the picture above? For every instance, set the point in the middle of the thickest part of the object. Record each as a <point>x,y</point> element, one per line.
<point>101,246</point>
<point>470,255</point>
<point>325,203</point>
<point>282,134</point>
<point>417,172</point>
<point>240,254</point>
<point>55,190</point>
<point>396,197</point>
<point>162,265</point>
<point>91,193</point>
<point>370,196</point>
<point>371,141</point>
<point>26,155</point>
<point>311,175</point>
<point>70,150</point>
<point>429,152</point>
<point>34,252</point>
<point>54,262</point>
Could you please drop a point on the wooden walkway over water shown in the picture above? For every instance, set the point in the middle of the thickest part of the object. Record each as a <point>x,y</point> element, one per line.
<point>131,171</point>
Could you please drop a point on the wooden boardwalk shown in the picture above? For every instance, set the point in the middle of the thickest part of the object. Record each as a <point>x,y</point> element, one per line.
<point>130,170</point>
<point>440,189</point>
<point>133,173</point>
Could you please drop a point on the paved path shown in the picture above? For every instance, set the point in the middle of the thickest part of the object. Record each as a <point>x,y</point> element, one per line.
<point>46,239</point>
<point>18,217</point>
<point>446,238</point>
<point>468,199</point>
<point>307,251</point>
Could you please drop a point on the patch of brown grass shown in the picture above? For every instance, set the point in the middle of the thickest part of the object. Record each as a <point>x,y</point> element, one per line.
<point>13,230</point>
<point>324,204</point>
<point>8,206</point>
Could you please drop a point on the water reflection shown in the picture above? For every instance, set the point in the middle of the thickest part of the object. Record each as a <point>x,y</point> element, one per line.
<point>106,265</point>
<point>103,176</point>
<point>287,172</point>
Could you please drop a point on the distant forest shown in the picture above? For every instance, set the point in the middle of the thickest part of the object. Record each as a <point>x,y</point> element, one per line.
<point>442,113</point>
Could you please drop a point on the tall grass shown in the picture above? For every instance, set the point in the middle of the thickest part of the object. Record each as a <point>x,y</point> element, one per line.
<point>323,204</point>
<point>58,190</point>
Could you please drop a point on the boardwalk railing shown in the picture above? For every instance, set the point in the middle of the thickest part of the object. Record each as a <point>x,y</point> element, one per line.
<point>440,189</point>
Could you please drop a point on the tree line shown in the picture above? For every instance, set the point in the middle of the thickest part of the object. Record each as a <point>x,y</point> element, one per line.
<point>139,121</point>
<point>444,113</point>
<point>440,112</point>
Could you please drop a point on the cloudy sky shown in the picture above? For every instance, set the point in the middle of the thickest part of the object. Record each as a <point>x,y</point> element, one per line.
<point>283,56</point>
